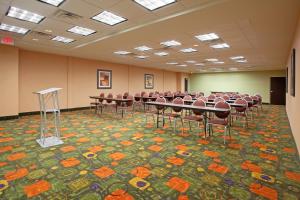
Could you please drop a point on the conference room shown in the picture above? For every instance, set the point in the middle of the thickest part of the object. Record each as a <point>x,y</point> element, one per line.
<point>149,99</point>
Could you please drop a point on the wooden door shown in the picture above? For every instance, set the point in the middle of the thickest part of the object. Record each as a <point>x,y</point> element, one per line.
<point>277,91</point>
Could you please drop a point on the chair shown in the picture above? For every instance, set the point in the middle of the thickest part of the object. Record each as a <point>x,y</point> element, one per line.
<point>255,100</point>
<point>176,112</point>
<point>250,104</point>
<point>236,96</point>
<point>222,119</point>
<point>226,97</point>
<point>125,95</point>
<point>240,111</point>
<point>203,98</point>
<point>218,99</point>
<point>100,106</point>
<point>125,106</point>
<point>109,101</point>
<point>187,100</point>
<point>137,100</point>
<point>211,97</point>
<point>197,115</point>
<point>259,101</point>
<point>97,102</point>
<point>156,110</point>
<point>151,94</point>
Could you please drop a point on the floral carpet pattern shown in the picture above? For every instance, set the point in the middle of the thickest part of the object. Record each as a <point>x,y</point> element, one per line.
<point>107,157</point>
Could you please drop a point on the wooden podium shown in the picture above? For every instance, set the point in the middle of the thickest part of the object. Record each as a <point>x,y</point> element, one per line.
<point>48,100</point>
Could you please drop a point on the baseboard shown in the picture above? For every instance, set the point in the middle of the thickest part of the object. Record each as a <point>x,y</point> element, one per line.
<point>265,103</point>
<point>9,117</point>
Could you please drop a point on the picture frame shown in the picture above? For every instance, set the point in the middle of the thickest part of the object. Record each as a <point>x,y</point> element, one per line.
<point>287,79</point>
<point>293,73</point>
<point>149,81</point>
<point>104,79</point>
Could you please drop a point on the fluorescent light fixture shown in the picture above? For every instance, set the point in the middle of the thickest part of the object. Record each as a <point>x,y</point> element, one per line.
<point>220,46</point>
<point>207,37</point>
<point>211,59</point>
<point>24,15</point>
<point>53,2</point>
<point>190,61</point>
<point>237,57</point>
<point>15,29</point>
<point>81,31</point>
<point>171,43</point>
<point>122,52</point>
<point>199,64</point>
<point>233,69</point>
<point>162,53</point>
<point>241,61</point>
<point>154,4</point>
<point>109,18</point>
<point>62,39</point>
<point>141,57</point>
<point>172,63</point>
<point>216,69</point>
<point>143,48</point>
<point>188,50</point>
<point>218,62</point>
<point>182,65</point>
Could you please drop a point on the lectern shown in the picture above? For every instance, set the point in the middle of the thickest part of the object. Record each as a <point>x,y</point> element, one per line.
<point>48,100</point>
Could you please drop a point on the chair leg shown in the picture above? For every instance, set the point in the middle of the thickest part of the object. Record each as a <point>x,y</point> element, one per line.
<point>225,131</point>
<point>190,125</point>
<point>182,126</point>
<point>175,125</point>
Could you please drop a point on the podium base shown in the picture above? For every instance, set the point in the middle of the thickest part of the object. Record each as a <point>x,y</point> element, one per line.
<point>49,141</point>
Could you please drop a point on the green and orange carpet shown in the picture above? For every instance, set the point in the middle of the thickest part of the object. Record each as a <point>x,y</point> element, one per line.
<point>106,157</point>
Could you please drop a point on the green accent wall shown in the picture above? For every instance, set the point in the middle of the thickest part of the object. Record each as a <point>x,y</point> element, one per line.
<point>242,82</point>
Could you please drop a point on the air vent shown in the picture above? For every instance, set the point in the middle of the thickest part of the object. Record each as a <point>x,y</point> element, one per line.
<point>40,35</point>
<point>62,14</point>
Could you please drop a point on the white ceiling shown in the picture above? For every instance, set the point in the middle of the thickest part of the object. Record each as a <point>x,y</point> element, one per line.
<point>260,30</point>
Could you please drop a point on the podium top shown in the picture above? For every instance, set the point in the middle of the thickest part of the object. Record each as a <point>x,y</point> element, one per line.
<point>49,90</point>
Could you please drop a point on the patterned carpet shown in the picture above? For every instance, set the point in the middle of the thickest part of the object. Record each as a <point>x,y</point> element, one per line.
<point>111,158</point>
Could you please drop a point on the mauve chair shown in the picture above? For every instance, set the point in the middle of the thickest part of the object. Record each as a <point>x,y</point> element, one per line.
<point>176,112</point>
<point>240,112</point>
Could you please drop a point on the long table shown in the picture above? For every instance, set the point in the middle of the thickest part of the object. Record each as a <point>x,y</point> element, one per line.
<point>122,101</point>
<point>203,109</point>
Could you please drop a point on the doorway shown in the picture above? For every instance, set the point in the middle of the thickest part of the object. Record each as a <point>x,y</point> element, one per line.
<point>277,90</point>
<point>186,84</point>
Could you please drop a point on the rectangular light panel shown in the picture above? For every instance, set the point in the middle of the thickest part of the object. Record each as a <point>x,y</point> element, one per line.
<point>15,29</point>
<point>188,50</point>
<point>53,2</point>
<point>211,59</point>
<point>154,4</point>
<point>141,57</point>
<point>62,39</point>
<point>109,18</point>
<point>172,63</point>
<point>143,48</point>
<point>207,37</point>
<point>122,52</point>
<point>24,15</point>
<point>161,53</point>
<point>220,46</point>
<point>81,31</point>
<point>171,43</point>
<point>237,57</point>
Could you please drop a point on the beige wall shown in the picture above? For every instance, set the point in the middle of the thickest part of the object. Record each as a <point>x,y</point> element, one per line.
<point>293,103</point>
<point>242,82</point>
<point>22,72</point>
<point>9,85</point>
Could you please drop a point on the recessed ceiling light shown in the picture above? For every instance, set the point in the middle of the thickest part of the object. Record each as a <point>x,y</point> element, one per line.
<point>220,46</point>
<point>218,62</point>
<point>109,18</point>
<point>143,48</point>
<point>199,64</point>
<point>122,52</point>
<point>207,37</point>
<point>15,29</point>
<point>35,39</point>
<point>171,43</point>
<point>81,31</point>
<point>53,2</point>
<point>141,57</point>
<point>190,61</point>
<point>211,59</point>
<point>182,65</point>
<point>24,15</point>
<point>195,45</point>
<point>237,57</point>
<point>154,4</point>
<point>188,50</point>
<point>172,63</point>
<point>233,69</point>
<point>161,53</point>
<point>62,39</point>
<point>241,61</point>
<point>48,31</point>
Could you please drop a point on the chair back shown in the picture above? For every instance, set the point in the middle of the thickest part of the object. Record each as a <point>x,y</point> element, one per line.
<point>178,101</point>
<point>218,99</point>
<point>199,102</point>
<point>211,97</point>
<point>110,97</point>
<point>102,96</point>
<point>125,95</point>
<point>151,94</point>
<point>236,96</point>
<point>187,98</point>
<point>130,100</point>
<point>255,99</point>
<point>142,93</point>
<point>119,96</point>
<point>222,114</point>
<point>203,98</point>
<point>145,99</point>
<point>249,101</point>
<point>201,93</point>
<point>137,97</point>
<point>259,98</point>
<point>243,102</point>
<point>160,100</point>
<point>226,97</point>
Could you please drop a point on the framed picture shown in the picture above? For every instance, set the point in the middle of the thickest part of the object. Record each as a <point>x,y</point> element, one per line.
<point>293,73</point>
<point>287,80</point>
<point>104,79</point>
<point>149,81</point>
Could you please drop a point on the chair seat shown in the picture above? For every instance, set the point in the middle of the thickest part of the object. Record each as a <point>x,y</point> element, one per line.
<point>239,114</point>
<point>218,122</point>
<point>194,118</point>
